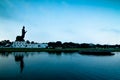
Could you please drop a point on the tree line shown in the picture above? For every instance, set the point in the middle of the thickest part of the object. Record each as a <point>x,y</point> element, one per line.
<point>59,44</point>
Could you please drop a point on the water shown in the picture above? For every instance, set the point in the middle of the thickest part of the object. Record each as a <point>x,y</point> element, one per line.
<point>58,66</point>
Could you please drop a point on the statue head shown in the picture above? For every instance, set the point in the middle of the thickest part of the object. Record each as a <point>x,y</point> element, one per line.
<point>23,27</point>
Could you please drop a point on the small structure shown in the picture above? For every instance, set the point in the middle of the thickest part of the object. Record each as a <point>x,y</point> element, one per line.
<point>23,44</point>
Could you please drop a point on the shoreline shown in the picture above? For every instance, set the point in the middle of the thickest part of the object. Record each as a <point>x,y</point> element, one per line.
<point>36,50</point>
<point>58,50</point>
<point>82,51</point>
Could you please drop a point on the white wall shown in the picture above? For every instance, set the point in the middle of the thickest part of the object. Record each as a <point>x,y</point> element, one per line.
<point>23,44</point>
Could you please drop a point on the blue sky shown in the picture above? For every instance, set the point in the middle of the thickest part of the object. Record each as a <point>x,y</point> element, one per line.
<point>82,21</point>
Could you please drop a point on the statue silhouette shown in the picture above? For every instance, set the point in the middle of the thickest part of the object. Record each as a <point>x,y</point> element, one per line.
<point>21,38</point>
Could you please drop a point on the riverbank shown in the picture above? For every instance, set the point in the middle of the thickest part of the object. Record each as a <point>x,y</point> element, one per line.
<point>57,50</point>
<point>36,50</point>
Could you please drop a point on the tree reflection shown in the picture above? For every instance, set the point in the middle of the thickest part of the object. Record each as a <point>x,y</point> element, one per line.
<point>55,53</point>
<point>4,54</point>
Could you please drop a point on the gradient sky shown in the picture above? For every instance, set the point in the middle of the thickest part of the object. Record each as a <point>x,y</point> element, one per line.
<point>82,21</point>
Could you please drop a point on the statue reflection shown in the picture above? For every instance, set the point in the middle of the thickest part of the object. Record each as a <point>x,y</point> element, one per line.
<point>19,58</point>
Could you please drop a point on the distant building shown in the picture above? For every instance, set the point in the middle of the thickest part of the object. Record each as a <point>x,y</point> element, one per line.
<point>23,44</point>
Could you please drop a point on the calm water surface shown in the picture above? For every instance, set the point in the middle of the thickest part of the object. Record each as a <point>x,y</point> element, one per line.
<point>58,66</point>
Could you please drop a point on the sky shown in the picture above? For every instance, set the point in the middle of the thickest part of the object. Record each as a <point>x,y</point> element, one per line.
<point>79,21</point>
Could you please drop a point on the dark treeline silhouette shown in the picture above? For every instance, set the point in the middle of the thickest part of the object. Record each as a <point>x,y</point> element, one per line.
<point>5,43</point>
<point>59,44</point>
<point>32,42</point>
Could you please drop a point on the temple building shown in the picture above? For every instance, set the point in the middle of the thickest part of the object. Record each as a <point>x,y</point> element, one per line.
<point>24,44</point>
<point>21,43</point>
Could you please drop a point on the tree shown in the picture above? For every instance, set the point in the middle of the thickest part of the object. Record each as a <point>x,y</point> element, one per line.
<point>28,41</point>
<point>58,44</point>
<point>32,42</point>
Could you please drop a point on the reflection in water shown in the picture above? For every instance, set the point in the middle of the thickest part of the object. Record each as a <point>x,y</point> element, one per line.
<point>19,58</point>
<point>58,66</point>
<point>112,54</point>
<point>55,53</point>
<point>4,54</point>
